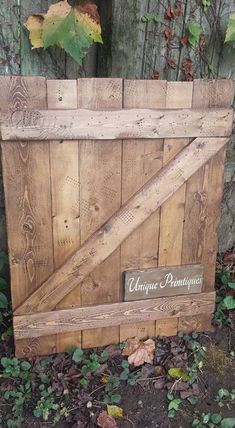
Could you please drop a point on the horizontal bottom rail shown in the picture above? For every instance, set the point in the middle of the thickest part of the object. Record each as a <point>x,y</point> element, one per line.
<point>91,317</point>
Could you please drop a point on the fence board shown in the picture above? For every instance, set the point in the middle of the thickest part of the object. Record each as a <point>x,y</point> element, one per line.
<point>117,124</point>
<point>26,172</point>
<point>179,95</point>
<point>140,162</point>
<point>114,314</point>
<point>100,198</point>
<point>65,197</point>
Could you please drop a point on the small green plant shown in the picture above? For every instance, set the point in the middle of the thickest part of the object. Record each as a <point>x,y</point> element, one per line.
<point>173,405</point>
<point>199,353</point>
<point>225,397</point>
<point>112,384</point>
<point>224,302</point>
<point>210,420</point>
<point>12,367</point>
<point>17,398</point>
<point>47,406</point>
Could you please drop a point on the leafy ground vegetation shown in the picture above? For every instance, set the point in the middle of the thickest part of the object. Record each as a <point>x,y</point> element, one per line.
<point>184,381</point>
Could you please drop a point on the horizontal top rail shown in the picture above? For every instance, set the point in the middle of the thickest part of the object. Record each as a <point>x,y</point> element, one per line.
<point>24,124</point>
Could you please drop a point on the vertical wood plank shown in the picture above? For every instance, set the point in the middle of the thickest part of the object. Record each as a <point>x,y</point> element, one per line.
<point>100,177</point>
<point>202,212</point>
<point>141,160</point>
<point>26,173</point>
<point>179,95</point>
<point>64,162</point>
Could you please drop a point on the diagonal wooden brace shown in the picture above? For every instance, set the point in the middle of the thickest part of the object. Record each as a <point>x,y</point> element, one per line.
<point>103,242</point>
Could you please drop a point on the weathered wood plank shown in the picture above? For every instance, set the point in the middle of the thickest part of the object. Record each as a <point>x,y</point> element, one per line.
<point>117,124</point>
<point>37,325</point>
<point>26,171</point>
<point>106,240</point>
<point>100,198</point>
<point>141,160</point>
<point>64,166</point>
<point>179,95</point>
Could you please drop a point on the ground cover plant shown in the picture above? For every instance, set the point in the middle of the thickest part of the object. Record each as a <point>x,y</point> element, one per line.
<point>184,381</point>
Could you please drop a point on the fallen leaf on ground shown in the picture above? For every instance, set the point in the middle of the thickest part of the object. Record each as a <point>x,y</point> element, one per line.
<point>106,421</point>
<point>114,411</point>
<point>178,373</point>
<point>139,352</point>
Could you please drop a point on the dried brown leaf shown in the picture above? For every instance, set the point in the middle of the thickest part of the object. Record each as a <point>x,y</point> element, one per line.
<point>106,421</point>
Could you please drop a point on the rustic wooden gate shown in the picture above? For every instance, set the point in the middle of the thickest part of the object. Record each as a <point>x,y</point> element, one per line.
<point>104,176</point>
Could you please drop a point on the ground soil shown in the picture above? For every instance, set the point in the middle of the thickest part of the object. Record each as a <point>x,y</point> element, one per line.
<point>144,406</point>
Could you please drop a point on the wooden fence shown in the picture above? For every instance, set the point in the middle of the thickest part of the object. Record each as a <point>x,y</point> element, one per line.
<point>109,183</point>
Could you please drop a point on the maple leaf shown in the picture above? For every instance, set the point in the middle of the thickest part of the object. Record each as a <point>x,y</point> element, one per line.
<point>139,352</point>
<point>74,29</point>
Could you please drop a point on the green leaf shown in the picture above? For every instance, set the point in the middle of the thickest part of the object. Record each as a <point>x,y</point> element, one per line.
<point>174,404</point>
<point>78,355</point>
<point>192,400</point>
<point>25,365</point>
<point>229,302</point>
<point>194,34</point>
<point>223,393</point>
<point>170,396</point>
<point>157,19</point>
<point>125,364</point>
<point>84,381</point>
<point>206,4</point>
<point>171,414</point>
<point>216,418</point>
<point>206,418</point>
<point>177,373</point>
<point>231,285</point>
<point>3,301</point>
<point>147,17</point>
<point>228,423</point>
<point>230,33</point>
<point>116,398</point>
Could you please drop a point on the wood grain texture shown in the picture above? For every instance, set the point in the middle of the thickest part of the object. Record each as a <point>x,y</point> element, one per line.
<point>140,162</point>
<point>201,322</point>
<point>100,177</point>
<point>26,171</point>
<point>64,165</point>
<point>202,210</point>
<point>83,318</point>
<point>167,327</point>
<point>117,124</point>
<point>179,95</point>
<point>107,239</point>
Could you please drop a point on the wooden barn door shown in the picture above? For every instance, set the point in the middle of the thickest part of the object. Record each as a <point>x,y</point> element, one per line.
<point>81,212</point>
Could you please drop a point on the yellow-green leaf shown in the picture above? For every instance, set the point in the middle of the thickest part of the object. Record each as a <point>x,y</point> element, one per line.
<point>230,33</point>
<point>34,26</point>
<point>115,411</point>
<point>177,373</point>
